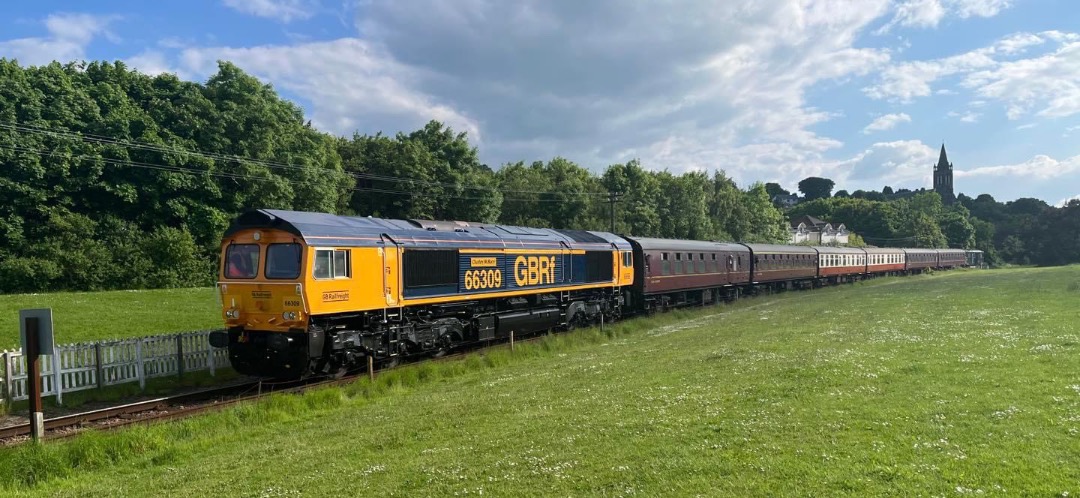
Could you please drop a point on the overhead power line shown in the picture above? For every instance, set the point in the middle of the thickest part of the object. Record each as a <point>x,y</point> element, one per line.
<point>232,175</point>
<point>104,140</point>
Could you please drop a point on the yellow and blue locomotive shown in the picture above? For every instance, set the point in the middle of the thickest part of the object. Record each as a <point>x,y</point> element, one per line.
<point>313,293</point>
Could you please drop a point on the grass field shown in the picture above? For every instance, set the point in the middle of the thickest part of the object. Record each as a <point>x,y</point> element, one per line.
<point>91,316</point>
<point>964,383</point>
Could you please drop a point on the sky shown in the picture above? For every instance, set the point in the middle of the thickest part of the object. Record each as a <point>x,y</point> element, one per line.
<point>863,92</point>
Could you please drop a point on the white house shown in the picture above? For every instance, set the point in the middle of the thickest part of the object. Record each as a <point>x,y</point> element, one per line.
<point>817,231</point>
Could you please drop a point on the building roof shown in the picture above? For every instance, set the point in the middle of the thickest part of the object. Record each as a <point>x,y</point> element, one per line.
<point>810,221</point>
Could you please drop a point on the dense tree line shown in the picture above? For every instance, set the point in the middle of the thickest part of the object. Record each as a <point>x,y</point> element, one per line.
<point>111,179</point>
<point>1024,231</point>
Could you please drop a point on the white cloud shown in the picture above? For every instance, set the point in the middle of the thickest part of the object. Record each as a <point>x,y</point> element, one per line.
<point>68,36</point>
<point>153,62</point>
<point>929,13</point>
<point>713,85</point>
<point>901,164</point>
<point>979,8</point>
<point>1040,167</point>
<point>1050,83</point>
<point>908,80</point>
<point>1066,200</point>
<point>919,13</point>
<point>349,83</point>
<point>965,117</point>
<point>1051,80</point>
<point>886,122</point>
<point>281,10</point>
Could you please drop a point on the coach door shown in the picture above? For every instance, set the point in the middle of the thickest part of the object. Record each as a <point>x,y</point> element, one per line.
<point>391,256</point>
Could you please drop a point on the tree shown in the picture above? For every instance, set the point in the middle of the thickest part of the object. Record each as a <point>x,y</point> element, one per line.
<point>640,191</point>
<point>774,189</point>
<point>926,232</point>
<point>843,194</point>
<point>816,188</point>
<point>767,224</point>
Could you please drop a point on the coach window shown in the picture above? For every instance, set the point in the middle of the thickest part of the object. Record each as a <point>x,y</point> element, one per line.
<point>332,263</point>
<point>283,261</point>
<point>241,260</point>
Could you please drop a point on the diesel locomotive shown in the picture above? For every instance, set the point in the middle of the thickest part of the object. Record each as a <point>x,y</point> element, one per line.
<point>315,294</point>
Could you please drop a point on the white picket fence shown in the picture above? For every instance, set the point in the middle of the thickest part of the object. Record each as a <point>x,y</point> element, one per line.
<point>81,366</point>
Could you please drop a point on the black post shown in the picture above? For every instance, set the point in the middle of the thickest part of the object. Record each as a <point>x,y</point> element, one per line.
<point>180,356</point>
<point>97,364</point>
<point>613,197</point>
<point>33,380</point>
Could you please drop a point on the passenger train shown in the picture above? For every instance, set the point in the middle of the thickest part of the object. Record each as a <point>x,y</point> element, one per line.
<point>315,294</point>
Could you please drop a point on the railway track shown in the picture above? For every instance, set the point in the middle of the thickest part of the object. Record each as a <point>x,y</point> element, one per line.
<point>204,401</point>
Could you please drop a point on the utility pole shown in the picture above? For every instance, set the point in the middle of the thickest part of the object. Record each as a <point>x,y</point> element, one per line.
<point>613,197</point>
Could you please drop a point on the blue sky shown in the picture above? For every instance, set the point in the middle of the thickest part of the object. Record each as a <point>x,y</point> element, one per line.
<point>863,92</point>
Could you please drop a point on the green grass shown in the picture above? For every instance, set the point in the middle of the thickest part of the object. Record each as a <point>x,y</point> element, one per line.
<point>92,316</point>
<point>961,383</point>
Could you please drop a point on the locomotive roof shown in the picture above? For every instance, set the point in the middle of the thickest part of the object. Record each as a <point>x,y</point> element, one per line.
<point>337,230</point>
<point>656,244</point>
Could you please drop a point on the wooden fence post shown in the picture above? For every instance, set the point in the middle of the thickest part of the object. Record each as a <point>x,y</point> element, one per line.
<point>99,370</point>
<point>371,368</point>
<point>7,378</point>
<point>210,357</point>
<point>511,341</point>
<point>58,379</point>
<point>180,356</point>
<point>139,370</point>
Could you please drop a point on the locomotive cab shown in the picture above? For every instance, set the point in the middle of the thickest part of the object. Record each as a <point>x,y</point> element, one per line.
<point>263,303</point>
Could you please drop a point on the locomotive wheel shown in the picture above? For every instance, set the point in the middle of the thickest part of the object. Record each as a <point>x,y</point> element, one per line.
<point>576,321</point>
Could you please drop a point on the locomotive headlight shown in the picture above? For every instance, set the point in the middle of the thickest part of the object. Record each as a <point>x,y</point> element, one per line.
<point>233,314</point>
<point>299,289</point>
<point>224,288</point>
<point>289,315</point>
<point>257,236</point>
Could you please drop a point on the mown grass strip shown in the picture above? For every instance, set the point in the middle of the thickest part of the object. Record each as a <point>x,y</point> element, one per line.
<point>963,383</point>
<point>94,316</point>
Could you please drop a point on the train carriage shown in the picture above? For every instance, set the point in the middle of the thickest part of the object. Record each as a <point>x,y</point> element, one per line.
<point>918,260</point>
<point>673,272</point>
<point>951,258</point>
<point>310,292</point>
<point>974,258</point>
<point>885,260</point>
<point>780,263</point>
<point>839,263</point>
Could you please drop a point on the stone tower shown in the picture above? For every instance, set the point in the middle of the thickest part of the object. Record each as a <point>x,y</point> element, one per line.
<point>943,184</point>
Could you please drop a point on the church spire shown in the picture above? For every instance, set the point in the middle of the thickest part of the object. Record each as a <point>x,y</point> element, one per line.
<point>943,160</point>
<point>943,177</point>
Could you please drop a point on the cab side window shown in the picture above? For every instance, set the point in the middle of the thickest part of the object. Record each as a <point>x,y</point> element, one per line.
<point>332,263</point>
